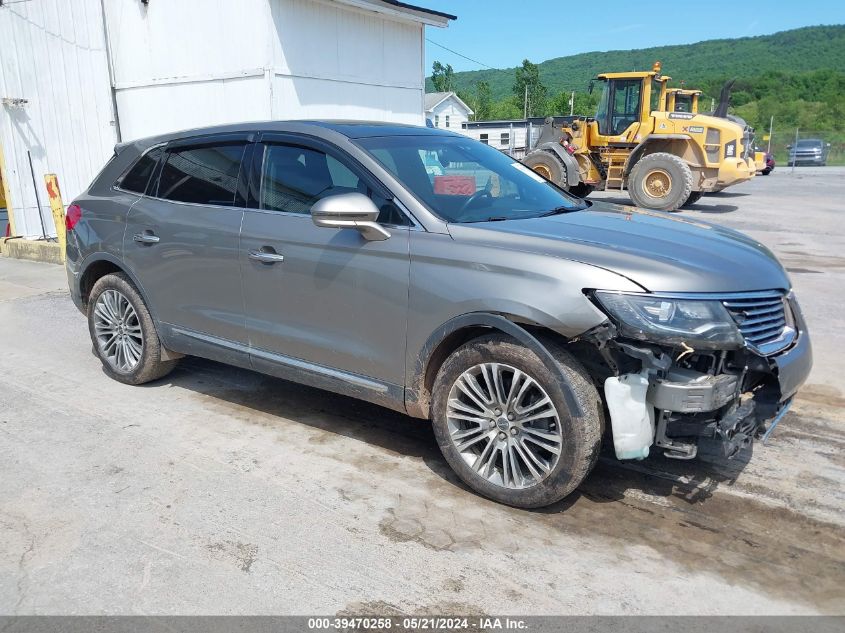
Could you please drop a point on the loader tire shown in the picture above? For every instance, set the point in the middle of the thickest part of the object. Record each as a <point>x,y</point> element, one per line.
<point>582,190</point>
<point>694,197</point>
<point>660,181</point>
<point>548,166</point>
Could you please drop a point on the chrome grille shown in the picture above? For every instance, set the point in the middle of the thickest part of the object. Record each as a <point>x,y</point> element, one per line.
<point>762,319</point>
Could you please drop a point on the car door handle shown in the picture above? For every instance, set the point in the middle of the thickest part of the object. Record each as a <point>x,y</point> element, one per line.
<point>266,257</point>
<point>146,238</point>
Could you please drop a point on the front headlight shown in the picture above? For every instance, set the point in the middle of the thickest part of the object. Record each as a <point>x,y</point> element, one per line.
<point>700,323</point>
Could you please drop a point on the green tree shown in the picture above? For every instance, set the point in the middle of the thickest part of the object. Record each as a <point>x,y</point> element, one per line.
<point>483,101</point>
<point>443,77</point>
<point>527,77</point>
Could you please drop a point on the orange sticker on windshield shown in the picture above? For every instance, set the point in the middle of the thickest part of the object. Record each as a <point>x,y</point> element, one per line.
<point>454,185</point>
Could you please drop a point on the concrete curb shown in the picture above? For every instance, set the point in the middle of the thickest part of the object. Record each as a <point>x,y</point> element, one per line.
<point>39,251</point>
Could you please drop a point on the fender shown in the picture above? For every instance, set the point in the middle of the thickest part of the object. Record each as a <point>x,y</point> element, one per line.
<point>637,152</point>
<point>94,258</point>
<point>573,173</point>
<point>417,399</point>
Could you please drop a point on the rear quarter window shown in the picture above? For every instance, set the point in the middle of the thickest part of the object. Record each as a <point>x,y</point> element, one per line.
<point>138,176</point>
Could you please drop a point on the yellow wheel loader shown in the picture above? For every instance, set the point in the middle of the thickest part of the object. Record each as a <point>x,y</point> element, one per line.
<point>664,159</point>
<point>686,100</point>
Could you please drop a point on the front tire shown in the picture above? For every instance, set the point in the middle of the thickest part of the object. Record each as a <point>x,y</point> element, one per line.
<point>660,181</point>
<point>535,450</point>
<point>582,190</point>
<point>548,166</point>
<point>694,197</point>
<point>122,331</point>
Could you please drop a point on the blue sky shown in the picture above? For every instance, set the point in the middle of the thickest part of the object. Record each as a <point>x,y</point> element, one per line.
<point>501,33</point>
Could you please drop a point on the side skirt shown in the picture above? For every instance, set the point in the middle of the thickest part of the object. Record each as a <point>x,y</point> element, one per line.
<point>288,368</point>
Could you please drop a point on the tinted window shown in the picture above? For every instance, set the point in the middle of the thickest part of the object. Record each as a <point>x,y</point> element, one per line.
<point>138,176</point>
<point>462,180</point>
<point>293,178</point>
<point>202,175</point>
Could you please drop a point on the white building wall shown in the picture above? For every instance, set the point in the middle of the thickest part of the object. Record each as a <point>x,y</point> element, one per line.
<point>516,140</point>
<point>457,115</point>
<point>340,62</point>
<point>184,64</point>
<point>52,53</point>
<point>189,63</point>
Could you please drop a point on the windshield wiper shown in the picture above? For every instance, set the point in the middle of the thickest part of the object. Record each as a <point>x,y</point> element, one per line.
<point>559,210</point>
<point>494,218</point>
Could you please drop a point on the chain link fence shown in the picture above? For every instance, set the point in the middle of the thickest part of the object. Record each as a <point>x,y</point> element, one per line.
<point>804,147</point>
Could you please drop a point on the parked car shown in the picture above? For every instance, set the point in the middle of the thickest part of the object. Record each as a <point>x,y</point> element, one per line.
<point>523,322</point>
<point>808,151</point>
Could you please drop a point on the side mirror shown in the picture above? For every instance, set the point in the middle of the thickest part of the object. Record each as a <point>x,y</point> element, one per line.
<point>827,144</point>
<point>349,211</point>
<point>789,146</point>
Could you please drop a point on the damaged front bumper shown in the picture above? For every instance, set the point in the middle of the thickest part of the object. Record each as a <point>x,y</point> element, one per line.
<point>732,396</point>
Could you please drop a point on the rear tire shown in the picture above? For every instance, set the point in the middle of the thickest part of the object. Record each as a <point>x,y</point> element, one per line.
<point>548,166</point>
<point>495,439</point>
<point>660,181</point>
<point>122,331</point>
<point>766,172</point>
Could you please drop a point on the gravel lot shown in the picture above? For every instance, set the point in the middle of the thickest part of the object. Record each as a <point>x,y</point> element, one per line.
<point>221,491</point>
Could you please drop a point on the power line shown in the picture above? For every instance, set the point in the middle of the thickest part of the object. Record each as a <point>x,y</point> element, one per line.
<point>474,61</point>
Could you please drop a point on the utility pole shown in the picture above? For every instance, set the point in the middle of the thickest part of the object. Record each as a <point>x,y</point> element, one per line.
<point>794,152</point>
<point>771,124</point>
<point>572,103</point>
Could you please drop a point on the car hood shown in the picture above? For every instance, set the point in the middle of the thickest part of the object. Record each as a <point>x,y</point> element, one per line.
<point>658,251</point>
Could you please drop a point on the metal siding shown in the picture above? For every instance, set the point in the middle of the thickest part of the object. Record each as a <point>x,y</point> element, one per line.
<point>146,111</point>
<point>186,64</point>
<point>53,56</point>
<point>335,62</point>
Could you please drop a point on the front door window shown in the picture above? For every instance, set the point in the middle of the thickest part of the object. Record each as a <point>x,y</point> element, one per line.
<point>626,104</point>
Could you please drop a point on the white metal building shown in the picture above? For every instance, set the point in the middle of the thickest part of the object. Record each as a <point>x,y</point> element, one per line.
<point>514,137</point>
<point>446,110</point>
<point>78,76</point>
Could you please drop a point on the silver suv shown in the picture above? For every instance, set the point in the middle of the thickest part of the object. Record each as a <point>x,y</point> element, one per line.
<point>431,274</point>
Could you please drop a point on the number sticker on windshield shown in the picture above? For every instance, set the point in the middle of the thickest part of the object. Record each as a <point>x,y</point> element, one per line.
<point>528,172</point>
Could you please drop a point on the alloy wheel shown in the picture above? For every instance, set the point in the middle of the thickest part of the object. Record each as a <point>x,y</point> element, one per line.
<point>118,331</point>
<point>504,425</point>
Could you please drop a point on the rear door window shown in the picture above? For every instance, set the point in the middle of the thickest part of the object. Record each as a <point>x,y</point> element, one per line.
<point>206,175</point>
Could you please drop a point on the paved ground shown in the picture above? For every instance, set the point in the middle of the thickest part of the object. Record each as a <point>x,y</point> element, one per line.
<point>222,491</point>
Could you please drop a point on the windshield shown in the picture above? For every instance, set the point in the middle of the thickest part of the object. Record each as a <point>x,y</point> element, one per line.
<point>462,180</point>
<point>809,143</point>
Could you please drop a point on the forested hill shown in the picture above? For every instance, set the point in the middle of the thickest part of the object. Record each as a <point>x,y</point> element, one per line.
<point>800,50</point>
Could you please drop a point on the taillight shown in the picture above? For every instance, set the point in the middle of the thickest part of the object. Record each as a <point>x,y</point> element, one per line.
<point>73,215</point>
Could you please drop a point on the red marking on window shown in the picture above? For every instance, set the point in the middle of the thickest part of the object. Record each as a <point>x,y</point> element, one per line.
<point>454,185</point>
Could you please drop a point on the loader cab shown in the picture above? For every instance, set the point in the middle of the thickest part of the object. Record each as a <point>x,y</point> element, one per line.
<point>680,100</point>
<point>627,101</point>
